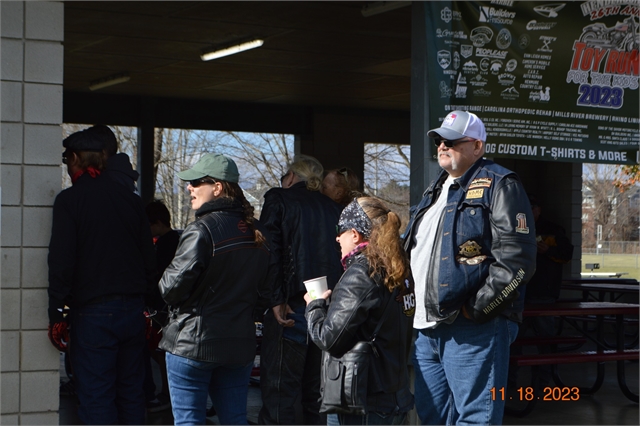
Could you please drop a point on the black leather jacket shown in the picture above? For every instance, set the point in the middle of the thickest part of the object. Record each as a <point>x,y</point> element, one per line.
<point>212,286</point>
<point>302,226</point>
<point>357,305</point>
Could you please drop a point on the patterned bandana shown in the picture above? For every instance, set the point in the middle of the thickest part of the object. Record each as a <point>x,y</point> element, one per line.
<point>353,216</point>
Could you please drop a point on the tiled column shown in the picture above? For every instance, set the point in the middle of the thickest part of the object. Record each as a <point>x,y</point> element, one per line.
<point>31,115</point>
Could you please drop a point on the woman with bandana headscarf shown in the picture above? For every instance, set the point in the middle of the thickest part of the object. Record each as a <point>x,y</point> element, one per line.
<point>377,274</point>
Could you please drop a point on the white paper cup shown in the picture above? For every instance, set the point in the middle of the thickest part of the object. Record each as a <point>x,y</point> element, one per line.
<point>316,287</point>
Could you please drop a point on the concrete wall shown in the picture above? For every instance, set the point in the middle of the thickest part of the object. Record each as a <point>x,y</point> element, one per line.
<point>31,113</point>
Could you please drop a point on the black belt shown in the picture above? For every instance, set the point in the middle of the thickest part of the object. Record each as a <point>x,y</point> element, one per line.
<point>111,298</point>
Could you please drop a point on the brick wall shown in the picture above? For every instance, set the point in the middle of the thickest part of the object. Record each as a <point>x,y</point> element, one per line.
<point>31,114</point>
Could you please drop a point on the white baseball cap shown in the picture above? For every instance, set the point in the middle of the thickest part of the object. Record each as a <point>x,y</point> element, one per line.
<point>460,124</point>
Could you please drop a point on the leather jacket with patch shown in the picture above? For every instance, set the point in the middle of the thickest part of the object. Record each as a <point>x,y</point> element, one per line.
<point>357,305</point>
<point>302,226</point>
<point>212,286</point>
<point>485,249</point>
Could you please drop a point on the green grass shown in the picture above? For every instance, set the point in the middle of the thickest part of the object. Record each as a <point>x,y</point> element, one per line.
<point>615,263</point>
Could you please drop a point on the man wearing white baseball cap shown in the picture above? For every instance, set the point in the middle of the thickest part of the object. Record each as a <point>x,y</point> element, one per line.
<point>472,246</point>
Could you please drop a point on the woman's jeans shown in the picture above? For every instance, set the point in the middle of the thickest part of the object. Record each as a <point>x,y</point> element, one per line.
<point>190,381</point>
<point>373,418</point>
<point>456,366</point>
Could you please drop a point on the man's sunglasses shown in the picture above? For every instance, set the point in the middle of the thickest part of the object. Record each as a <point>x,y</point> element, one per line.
<point>64,156</point>
<point>449,143</point>
<point>197,182</point>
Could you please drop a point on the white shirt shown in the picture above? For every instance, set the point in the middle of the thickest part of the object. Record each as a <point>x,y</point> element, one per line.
<point>423,248</point>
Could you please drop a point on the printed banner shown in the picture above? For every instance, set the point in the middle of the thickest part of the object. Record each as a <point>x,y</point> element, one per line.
<point>551,81</point>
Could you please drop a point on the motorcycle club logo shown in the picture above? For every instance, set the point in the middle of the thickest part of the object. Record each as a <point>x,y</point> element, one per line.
<point>444,58</point>
<point>503,39</point>
<point>546,41</point>
<point>549,10</point>
<point>466,50</point>
<point>408,300</point>
<point>470,253</point>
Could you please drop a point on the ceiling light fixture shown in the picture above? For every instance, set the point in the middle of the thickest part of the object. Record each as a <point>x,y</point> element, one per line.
<point>232,50</point>
<point>377,7</point>
<point>109,81</point>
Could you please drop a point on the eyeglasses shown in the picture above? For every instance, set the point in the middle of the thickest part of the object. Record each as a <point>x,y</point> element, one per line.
<point>449,143</point>
<point>197,182</point>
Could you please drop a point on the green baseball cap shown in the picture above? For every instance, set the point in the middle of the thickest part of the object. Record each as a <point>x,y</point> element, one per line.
<point>216,166</point>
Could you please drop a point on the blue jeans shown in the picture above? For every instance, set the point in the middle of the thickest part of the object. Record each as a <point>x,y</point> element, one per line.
<point>190,381</point>
<point>106,346</point>
<point>456,366</point>
<point>373,418</point>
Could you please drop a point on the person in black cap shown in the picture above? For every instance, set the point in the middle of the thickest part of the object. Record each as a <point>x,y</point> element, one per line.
<point>472,246</point>
<point>118,166</point>
<point>101,263</point>
<point>212,287</point>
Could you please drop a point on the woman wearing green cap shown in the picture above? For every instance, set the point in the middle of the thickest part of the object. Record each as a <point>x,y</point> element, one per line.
<point>212,288</point>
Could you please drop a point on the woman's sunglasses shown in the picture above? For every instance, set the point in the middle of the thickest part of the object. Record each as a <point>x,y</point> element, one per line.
<point>197,182</point>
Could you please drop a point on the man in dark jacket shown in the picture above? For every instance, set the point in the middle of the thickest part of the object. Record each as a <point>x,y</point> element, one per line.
<point>302,224</point>
<point>471,241</point>
<point>100,264</point>
<point>119,166</point>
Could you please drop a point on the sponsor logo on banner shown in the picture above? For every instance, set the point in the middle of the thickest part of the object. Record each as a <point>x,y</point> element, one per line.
<point>470,67</point>
<point>523,41</point>
<point>444,58</point>
<point>456,60</point>
<point>466,50</point>
<point>478,81</point>
<point>450,34</point>
<point>512,64</point>
<point>503,39</point>
<point>540,96</point>
<point>496,66</point>
<point>496,16</point>
<point>480,36</point>
<point>534,25</point>
<point>485,63</point>
<point>506,79</point>
<point>447,15</point>
<point>482,92</point>
<point>546,43</point>
<point>549,10</point>
<point>461,79</point>
<point>510,93</point>
<point>491,53</point>
<point>461,91</point>
<point>445,90</point>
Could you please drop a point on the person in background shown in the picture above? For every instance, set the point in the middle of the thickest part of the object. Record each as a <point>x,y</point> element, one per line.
<point>553,251</point>
<point>301,222</point>
<point>341,185</point>
<point>166,243</point>
<point>119,166</point>
<point>212,286</point>
<point>472,246</point>
<point>376,280</point>
<point>100,265</point>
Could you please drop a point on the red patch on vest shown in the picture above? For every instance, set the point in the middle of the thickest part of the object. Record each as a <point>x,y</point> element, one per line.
<point>242,226</point>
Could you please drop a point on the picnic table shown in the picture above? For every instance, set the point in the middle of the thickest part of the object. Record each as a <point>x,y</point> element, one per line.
<point>567,312</point>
